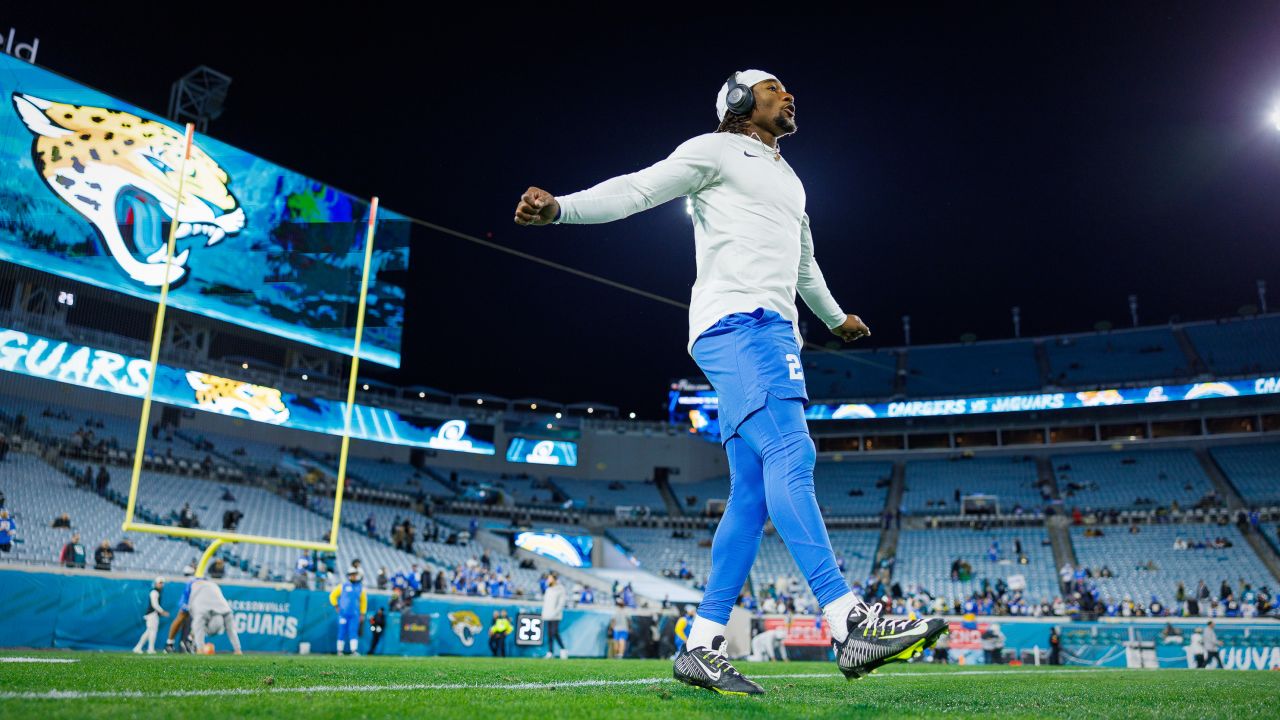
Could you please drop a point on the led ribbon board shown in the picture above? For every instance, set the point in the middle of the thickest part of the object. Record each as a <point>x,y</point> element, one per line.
<point>1047,401</point>
<point>88,190</point>
<point>542,452</point>
<point>697,405</point>
<point>26,354</point>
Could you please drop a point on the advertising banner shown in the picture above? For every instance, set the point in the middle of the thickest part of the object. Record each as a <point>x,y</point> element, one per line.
<point>97,369</point>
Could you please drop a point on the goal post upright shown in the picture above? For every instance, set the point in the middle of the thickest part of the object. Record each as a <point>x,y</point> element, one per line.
<point>158,331</point>
<point>220,538</point>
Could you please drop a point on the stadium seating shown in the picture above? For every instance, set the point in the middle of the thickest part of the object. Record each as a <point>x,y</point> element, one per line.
<point>1124,552</point>
<point>395,476</point>
<point>36,493</point>
<point>1119,479</point>
<point>972,369</point>
<point>931,484</point>
<point>834,481</point>
<point>850,375</point>
<point>924,558</point>
<point>700,493</point>
<point>1254,470</point>
<point>659,552</point>
<point>775,566</point>
<point>1239,347</point>
<point>596,495</point>
<point>437,554</point>
<point>1116,357</point>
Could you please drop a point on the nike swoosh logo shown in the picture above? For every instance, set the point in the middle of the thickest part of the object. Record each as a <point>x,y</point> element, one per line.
<point>917,630</point>
<point>744,152</point>
<point>713,674</point>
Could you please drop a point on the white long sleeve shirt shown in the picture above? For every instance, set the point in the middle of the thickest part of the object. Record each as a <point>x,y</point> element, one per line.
<point>750,230</point>
<point>207,597</point>
<point>553,602</point>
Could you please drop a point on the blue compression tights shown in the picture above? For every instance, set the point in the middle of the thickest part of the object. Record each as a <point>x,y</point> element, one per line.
<point>771,470</point>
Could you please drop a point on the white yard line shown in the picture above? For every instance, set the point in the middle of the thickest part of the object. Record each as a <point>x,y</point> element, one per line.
<point>320,689</point>
<point>36,660</point>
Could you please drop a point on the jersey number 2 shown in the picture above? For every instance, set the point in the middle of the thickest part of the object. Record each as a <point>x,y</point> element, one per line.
<point>793,364</point>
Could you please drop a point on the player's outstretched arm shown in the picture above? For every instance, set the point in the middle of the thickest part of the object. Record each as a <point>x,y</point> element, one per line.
<point>536,207</point>
<point>688,169</point>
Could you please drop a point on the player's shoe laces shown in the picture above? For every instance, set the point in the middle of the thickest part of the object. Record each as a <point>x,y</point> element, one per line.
<point>874,640</point>
<point>710,669</point>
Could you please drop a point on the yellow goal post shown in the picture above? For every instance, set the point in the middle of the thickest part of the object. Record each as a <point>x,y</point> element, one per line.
<point>220,538</point>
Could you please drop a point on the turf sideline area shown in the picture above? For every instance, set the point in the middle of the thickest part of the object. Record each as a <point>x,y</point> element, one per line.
<point>116,685</point>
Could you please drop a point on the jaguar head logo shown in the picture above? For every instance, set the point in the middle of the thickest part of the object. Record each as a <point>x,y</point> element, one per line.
<point>236,397</point>
<point>466,625</point>
<point>120,172</point>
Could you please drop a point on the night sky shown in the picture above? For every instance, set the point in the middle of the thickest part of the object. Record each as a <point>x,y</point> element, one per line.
<point>957,161</point>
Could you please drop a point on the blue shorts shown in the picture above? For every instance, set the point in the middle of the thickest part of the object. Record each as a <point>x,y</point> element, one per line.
<point>621,634</point>
<point>748,356</point>
<point>348,627</point>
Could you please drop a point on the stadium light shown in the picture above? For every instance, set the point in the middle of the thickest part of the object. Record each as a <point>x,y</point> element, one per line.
<point>244,366</point>
<point>533,406</point>
<point>590,410</point>
<point>304,376</point>
<point>364,387</point>
<point>548,426</point>
<point>557,416</point>
<point>633,416</point>
<point>479,401</point>
<point>422,394</point>
<point>1275,117</point>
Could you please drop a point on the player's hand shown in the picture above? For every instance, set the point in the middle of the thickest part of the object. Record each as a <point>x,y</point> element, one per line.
<point>852,329</point>
<point>536,207</point>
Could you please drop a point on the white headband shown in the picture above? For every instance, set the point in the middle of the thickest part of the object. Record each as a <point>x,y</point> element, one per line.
<point>746,77</point>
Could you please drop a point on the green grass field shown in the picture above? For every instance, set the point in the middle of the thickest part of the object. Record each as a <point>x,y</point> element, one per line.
<point>154,687</point>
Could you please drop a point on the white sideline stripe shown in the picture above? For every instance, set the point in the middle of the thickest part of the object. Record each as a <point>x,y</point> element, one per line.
<point>317,689</point>
<point>36,660</point>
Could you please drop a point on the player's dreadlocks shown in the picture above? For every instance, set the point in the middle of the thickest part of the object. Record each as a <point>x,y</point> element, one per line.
<point>733,123</point>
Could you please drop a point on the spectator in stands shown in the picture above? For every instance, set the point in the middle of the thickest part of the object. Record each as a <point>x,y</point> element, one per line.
<point>103,556</point>
<point>1,499</point>
<point>7,531</point>
<point>231,519</point>
<point>441,583</point>
<point>62,521</point>
<point>73,554</point>
<point>187,518</point>
<point>4,447</point>
<point>125,545</point>
<point>102,480</point>
<point>382,580</point>
<point>408,536</point>
<point>371,526</point>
